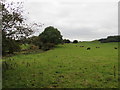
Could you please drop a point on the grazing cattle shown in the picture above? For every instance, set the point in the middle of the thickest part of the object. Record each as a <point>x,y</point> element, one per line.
<point>81,46</point>
<point>97,47</point>
<point>115,47</point>
<point>88,48</point>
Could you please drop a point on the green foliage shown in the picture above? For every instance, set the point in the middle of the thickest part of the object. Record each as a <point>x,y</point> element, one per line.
<point>75,41</point>
<point>13,46</point>
<point>49,37</point>
<point>66,41</point>
<point>10,46</point>
<point>110,39</point>
<point>47,46</point>
<point>34,40</point>
<point>33,47</point>
<point>13,21</point>
<point>25,46</point>
<point>13,27</point>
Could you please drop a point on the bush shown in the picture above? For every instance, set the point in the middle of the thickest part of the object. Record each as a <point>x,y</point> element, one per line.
<point>13,46</point>
<point>9,45</point>
<point>66,41</point>
<point>47,46</point>
<point>75,41</point>
<point>33,47</point>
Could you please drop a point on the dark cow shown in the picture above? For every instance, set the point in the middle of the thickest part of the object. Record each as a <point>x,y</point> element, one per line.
<point>88,48</point>
<point>81,46</point>
<point>115,47</point>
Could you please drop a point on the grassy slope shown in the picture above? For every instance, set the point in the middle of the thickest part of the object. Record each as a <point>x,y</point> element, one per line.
<point>65,66</point>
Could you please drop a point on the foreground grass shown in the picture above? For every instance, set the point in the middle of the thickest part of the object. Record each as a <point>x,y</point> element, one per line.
<point>66,66</point>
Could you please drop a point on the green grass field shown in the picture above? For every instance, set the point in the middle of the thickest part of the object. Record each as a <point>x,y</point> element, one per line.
<point>65,66</point>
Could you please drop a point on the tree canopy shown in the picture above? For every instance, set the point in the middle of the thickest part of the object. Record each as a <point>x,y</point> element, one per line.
<point>75,41</point>
<point>13,22</point>
<point>13,27</point>
<point>50,37</point>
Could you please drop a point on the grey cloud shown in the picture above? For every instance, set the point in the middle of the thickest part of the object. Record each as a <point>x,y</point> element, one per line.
<point>76,19</point>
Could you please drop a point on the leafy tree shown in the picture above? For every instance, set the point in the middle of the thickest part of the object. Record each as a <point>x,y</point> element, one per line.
<point>35,40</point>
<point>50,37</point>
<point>75,41</point>
<point>13,22</point>
<point>9,20</point>
<point>13,26</point>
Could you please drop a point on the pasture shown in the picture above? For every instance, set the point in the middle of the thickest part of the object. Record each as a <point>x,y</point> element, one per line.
<point>66,66</point>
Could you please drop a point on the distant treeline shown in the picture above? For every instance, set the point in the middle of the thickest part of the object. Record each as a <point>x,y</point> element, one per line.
<point>110,39</point>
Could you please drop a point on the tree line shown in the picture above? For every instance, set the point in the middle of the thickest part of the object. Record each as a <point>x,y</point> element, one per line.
<point>110,39</point>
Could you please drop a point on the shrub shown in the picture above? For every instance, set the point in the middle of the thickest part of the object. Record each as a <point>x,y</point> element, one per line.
<point>66,41</point>
<point>33,47</point>
<point>13,46</point>
<point>75,41</point>
<point>47,46</point>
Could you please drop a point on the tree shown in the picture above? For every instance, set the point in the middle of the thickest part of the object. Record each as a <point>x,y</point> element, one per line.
<point>75,41</point>
<point>33,40</point>
<point>13,26</point>
<point>9,21</point>
<point>13,23</point>
<point>50,37</point>
<point>66,41</point>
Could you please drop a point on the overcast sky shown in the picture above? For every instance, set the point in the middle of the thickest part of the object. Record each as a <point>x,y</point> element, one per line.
<point>75,19</point>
